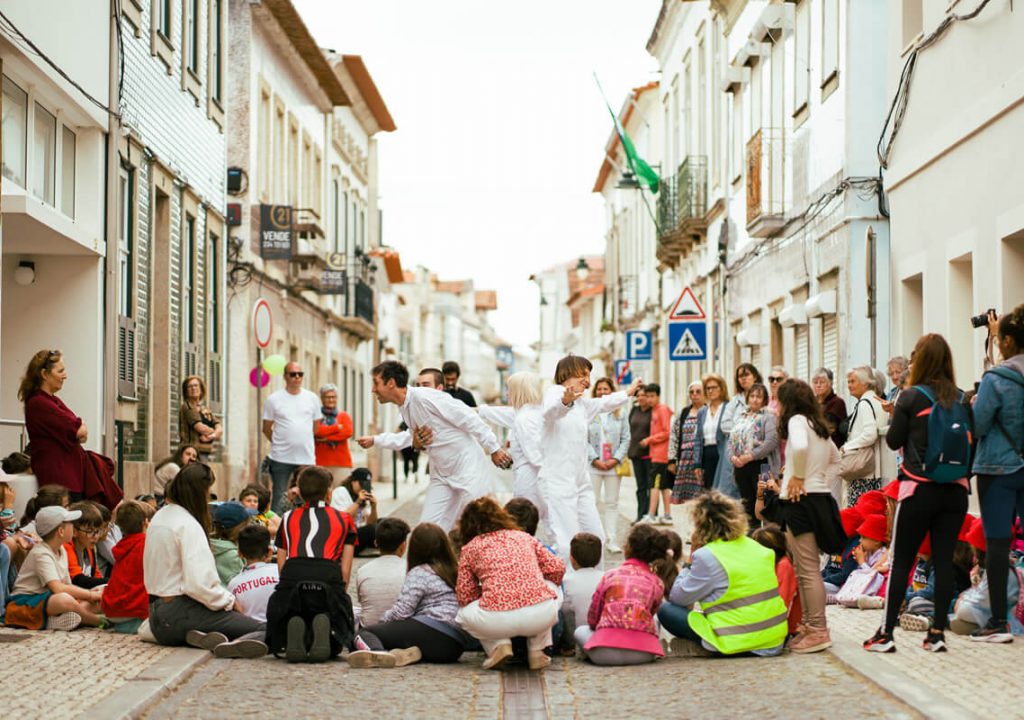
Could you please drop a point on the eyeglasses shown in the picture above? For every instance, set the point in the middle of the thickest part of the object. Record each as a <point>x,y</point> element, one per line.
<point>91,532</point>
<point>296,374</point>
<point>775,379</point>
<point>711,387</point>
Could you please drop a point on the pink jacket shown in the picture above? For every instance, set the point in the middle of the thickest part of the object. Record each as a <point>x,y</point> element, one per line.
<point>622,611</point>
<point>507,570</point>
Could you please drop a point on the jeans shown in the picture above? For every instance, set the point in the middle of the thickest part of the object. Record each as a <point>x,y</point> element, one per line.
<point>675,619</point>
<point>1002,497</point>
<point>279,474</point>
<point>171,621</point>
<point>5,569</point>
<point>709,464</point>
<point>436,646</point>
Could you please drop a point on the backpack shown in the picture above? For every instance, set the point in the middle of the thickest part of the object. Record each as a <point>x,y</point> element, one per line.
<point>948,455</point>
<point>1012,376</point>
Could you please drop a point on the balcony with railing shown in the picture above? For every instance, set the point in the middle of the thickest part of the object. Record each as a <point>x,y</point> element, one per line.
<point>766,182</point>
<point>683,209</point>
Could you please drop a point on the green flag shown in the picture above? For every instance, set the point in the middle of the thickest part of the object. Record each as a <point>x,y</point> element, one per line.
<point>643,172</point>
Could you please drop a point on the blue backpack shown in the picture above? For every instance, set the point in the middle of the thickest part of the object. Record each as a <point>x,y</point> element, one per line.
<point>948,456</point>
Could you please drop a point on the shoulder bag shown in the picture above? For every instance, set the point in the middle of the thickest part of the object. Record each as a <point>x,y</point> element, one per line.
<point>859,463</point>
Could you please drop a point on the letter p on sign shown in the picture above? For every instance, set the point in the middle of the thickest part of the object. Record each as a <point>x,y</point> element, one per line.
<point>639,345</point>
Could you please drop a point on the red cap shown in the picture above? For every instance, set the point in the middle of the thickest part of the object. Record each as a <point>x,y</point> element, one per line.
<point>976,536</point>
<point>852,518</point>
<point>926,546</point>
<point>965,527</point>
<point>874,527</point>
<point>871,503</point>
<point>892,490</point>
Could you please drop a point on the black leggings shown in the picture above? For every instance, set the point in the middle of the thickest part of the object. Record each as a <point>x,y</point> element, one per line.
<point>938,509</point>
<point>746,481</point>
<point>709,463</point>
<point>436,646</point>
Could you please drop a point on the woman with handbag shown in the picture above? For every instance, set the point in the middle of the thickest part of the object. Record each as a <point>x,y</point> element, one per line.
<point>746,376</point>
<point>608,438</point>
<point>754,441</point>
<point>860,460</point>
<point>197,425</point>
<point>681,444</point>
<point>55,433</point>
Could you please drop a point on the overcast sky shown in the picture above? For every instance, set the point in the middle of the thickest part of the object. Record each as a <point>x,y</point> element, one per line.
<point>501,129</point>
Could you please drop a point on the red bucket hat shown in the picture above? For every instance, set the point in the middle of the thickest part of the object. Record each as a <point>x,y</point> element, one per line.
<point>871,503</point>
<point>965,527</point>
<point>892,490</point>
<point>976,536</point>
<point>874,527</point>
<point>926,546</point>
<point>851,518</point>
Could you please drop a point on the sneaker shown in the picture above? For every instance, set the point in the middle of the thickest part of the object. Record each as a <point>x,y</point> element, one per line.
<point>992,633</point>
<point>613,547</point>
<point>880,642</point>
<point>500,654</point>
<point>649,519</point>
<point>915,623</point>
<point>539,660</point>
<point>684,647</point>
<point>814,640</point>
<point>407,656</point>
<point>65,621</point>
<point>320,648</point>
<point>295,649</point>
<point>666,520</point>
<point>870,602</point>
<point>934,641</point>
<point>205,641</point>
<point>371,659</point>
<point>246,649</point>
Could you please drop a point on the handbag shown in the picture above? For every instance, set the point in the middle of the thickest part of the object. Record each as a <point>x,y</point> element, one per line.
<point>624,468</point>
<point>859,463</point>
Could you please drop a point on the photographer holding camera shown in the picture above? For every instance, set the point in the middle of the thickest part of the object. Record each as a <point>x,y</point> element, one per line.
<point>355,497</point>
<point>999,463</point>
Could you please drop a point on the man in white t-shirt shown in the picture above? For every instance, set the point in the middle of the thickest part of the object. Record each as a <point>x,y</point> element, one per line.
<point>253,586</point>
<point>289,419</point>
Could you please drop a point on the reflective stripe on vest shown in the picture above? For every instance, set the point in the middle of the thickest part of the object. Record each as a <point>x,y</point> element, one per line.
<point>751,615</point>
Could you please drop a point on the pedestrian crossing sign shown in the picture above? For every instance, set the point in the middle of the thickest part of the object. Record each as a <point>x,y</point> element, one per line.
<point>687,341</point>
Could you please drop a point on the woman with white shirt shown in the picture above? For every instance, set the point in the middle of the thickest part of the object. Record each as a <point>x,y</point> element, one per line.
<point>608,437</point>
<point>806,508</point>
<point>711,437</point>
<point>867,424</point>
<point>187,602</point>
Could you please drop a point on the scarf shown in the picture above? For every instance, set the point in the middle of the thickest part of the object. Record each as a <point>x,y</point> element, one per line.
<point>330,417</point>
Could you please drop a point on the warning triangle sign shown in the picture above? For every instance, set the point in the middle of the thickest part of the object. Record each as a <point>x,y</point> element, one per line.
<point>687,346</point>
<point>686,307</point>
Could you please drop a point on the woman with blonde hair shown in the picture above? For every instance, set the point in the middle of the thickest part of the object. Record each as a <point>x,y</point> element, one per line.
<point>711,436</point>
<point>524,419</point>
<point>730,570</point>
<point>608,440</point>
<point>197,425</point>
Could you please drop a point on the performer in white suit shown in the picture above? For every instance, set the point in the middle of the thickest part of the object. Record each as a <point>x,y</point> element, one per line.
<point>458,472</point>
<point>564,476</point>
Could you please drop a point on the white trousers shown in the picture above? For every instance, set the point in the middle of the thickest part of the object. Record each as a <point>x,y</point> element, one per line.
<point>571,509</point>
<point>525,485</point>
<point>606,494</point>
<point>443,504</point>
<point>492,628</point>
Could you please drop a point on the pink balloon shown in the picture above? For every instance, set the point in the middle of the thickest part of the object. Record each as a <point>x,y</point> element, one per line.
<point>259,377</point>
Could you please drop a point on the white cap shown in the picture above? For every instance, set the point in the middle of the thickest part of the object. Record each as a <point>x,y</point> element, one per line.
<point>50,518</point>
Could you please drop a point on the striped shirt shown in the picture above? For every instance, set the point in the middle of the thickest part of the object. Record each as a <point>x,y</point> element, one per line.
<point>315,532</point>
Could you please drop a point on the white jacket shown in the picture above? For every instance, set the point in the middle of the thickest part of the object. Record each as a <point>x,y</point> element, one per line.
<point>564,437</point>
<point>866,426</point>
<point>526,425</point>
<point>458,430</point>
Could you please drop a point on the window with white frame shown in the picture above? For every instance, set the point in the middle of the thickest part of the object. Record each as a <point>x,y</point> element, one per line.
<point>125,242</point>
<point>67,171</point>
<point>44,155</point>
<point>702,97</point>
<point>264,122</point>
<point>829,43</point>
<point>15,131</point>
<point>802,59</point>
<point>215,27</point>
<point>162,17</point>
<point>188,281</point>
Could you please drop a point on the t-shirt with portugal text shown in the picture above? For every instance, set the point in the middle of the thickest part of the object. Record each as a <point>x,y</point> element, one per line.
<point>253,587</point>
<point>293,416</point>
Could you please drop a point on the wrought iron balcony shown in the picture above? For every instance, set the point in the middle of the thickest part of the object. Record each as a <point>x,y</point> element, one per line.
<point>683,209</point>
<point>767,201</point>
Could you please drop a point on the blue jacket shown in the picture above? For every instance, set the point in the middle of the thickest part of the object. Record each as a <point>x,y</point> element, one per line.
<point>1000,404</point>
<point>727,414</point>
<point>616,434</point>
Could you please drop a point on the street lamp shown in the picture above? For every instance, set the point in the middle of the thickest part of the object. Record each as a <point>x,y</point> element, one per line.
<point>582,269</point>
<point>628,181</point>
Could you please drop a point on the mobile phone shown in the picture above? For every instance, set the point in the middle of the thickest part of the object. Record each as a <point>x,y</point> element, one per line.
<point>765,473</point>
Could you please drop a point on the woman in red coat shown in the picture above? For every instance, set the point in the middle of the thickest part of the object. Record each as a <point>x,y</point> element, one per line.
<point>55,433</point>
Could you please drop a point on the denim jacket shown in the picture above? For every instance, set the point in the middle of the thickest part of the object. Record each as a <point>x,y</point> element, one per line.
<point>1000,403</point>
<point>616,434</point>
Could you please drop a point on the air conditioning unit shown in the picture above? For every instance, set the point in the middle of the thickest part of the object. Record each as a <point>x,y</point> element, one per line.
<point>748,337</point>
<point>824,303</point>
<point>791,315</point>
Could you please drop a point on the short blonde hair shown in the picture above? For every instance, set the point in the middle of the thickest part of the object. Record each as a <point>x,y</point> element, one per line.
<point>717,517</point>
<point>524,388</point>
<point>721,384</point>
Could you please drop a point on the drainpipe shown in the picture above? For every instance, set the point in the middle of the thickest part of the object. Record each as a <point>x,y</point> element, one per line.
<point>110,255</point>
<point>871,259</point>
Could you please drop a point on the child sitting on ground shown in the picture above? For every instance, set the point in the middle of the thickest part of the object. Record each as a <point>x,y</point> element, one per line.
<point>125,601</point>
<point>254,585</point>
<point>772,537</point>
<point>228,520</point>
<point>43,596</point>
<point>579,585</point>
<point>620,627</point>
<point>865,588</point>
<point>379,582</point>
<point>839,567</point>
<point>110,535</point>
<point>83,561</point>
<point>257,498</point>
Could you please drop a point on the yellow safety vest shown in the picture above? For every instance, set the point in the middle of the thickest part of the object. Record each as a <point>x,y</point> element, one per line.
<point>751,615</point>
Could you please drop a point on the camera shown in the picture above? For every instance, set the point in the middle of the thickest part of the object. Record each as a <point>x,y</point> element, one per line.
<point>982,320</point>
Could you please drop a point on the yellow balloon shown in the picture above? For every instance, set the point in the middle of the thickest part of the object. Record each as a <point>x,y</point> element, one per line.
<point>274,364</point>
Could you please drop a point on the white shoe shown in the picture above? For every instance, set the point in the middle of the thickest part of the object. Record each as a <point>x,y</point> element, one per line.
<point>649,519</point>
<point>612,547</point>
<point>666,520</point>
<point>65,621</point>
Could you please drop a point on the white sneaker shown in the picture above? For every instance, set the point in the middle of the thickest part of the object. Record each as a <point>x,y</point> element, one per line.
<point>666,520</point>
<point>649,519</point>
<point>612,547</point>
<point>65,621</point>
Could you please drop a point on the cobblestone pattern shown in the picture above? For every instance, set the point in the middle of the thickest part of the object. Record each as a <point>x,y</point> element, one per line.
<point>956,674</point>
<point>77,669</point>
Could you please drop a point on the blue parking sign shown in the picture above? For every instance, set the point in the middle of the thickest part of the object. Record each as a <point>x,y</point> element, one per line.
<point>687,341</point>
<point>639,345</point>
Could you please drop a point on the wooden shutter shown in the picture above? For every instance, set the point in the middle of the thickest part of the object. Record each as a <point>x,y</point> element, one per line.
<point>213,384</point>
<point>189,360</point>
<point>125,357</point>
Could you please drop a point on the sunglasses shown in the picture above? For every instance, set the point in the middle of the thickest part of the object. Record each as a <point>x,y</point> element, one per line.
<point>775,379</point>
<point>296,374</point>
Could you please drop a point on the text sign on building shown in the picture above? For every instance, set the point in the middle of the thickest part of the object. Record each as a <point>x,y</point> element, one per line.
<point>275,232</point>
<point>687,341</point>
<point>639,345</point>
<point>333,282</point>
<point>623,373</point>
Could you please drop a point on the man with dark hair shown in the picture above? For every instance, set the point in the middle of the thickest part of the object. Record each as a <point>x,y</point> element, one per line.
<point>457,471</point>
<point>639,455</point>
<point>660,481</point>
<point>431,378</point>
<point>451,371</point>
<point>392,370</point>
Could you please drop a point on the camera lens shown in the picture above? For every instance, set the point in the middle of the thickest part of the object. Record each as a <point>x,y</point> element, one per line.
<point>978,321</point>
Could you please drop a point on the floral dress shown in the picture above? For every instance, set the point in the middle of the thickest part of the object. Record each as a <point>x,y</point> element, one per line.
<point>687,486</point>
